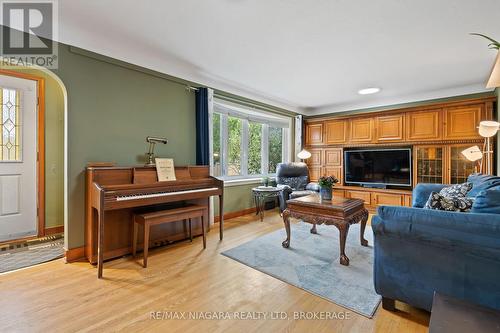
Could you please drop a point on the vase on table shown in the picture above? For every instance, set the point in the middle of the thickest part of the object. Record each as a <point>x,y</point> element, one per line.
<point>326,193</point>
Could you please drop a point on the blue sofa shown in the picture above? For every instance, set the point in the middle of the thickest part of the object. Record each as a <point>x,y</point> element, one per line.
<point>419,251</point>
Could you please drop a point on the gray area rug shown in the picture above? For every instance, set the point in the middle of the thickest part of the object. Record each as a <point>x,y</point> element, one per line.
<point>31,253</point>
<point>312,264</point>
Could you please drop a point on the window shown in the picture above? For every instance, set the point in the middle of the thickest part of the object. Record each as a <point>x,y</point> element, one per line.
<point>247,143</point>
<point>9,125</point>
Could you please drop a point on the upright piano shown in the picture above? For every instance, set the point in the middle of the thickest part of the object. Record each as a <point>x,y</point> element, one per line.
<point>114,194</point>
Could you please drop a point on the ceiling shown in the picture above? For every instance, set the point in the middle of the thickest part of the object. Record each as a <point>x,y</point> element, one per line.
<point>307,56</point>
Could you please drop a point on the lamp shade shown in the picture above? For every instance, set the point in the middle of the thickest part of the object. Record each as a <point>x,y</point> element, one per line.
<point>488,128</point>
<point>304,154</point>
<point>473,153</point>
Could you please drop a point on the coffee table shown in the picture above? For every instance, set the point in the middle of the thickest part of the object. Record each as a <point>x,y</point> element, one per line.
<point>339,212</point>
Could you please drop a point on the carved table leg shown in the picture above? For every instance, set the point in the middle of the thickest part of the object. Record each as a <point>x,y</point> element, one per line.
<point>313,229</point>
<point>286,221</point>
<point>343,230</point>
<point>363,221</point>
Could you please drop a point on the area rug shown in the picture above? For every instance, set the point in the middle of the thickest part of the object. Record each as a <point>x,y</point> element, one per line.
<point>31,253</point>
<point>312,264</point>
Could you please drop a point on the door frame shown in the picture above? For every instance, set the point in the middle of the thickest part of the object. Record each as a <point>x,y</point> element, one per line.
<point>40,145</point>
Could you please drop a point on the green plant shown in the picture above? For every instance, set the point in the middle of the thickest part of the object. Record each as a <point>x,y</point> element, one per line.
<point>327,181</point>
<point>493,45</point>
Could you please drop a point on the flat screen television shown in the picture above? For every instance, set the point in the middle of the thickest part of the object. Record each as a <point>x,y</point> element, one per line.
<point>378,167</point>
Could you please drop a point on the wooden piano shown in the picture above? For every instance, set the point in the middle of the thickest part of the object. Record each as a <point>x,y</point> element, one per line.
<point>114,194</point>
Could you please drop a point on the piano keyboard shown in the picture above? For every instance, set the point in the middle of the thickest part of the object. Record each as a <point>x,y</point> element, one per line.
<point>163,194</point>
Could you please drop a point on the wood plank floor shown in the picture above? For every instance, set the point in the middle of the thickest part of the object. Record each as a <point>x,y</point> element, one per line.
<point>59,297</point>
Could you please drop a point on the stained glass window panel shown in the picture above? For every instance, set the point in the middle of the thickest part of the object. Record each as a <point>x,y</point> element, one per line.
<point>10,125</point>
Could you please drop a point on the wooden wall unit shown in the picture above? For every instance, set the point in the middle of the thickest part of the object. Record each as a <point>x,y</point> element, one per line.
<point>437,133</point>
<point>450,121</point>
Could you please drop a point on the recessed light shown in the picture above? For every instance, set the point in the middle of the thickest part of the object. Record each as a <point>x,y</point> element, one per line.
<point>368,91</point>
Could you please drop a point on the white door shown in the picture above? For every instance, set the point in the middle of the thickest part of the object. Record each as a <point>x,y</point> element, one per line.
<point>18,158</point>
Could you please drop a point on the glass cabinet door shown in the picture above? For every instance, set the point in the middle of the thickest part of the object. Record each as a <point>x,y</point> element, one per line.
<point>460,167</point>
<point>429,164</point>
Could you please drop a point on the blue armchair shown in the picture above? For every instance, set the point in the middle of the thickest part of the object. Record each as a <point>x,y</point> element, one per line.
<point>419,251</point>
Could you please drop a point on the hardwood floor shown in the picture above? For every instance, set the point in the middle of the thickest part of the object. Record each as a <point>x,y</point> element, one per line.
<point>61,297</point>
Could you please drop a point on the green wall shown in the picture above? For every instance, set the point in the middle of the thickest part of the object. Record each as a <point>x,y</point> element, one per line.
<point>54,149</point>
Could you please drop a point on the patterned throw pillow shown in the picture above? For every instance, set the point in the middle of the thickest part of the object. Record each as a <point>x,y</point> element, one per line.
<point>452,204</point>
<point>458,190</point>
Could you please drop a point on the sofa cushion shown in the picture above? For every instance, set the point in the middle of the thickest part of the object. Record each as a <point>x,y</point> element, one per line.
<point>451,204</point>
<point>298,194</point>
<point>457,190</point>
<point>482,182</point>
<point>487,201</point>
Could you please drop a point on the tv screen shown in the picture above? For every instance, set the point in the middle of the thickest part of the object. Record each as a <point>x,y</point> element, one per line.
<point>378,166</point>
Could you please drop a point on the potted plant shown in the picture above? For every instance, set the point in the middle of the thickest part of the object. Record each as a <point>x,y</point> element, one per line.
<point>326,184</point>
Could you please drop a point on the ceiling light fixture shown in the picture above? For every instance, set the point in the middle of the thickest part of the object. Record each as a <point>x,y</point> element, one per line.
<point>369,91</point>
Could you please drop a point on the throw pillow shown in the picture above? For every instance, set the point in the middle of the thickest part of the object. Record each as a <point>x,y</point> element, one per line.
<point>457,190</point>
<point>487,202</point>
<point>452,204</point>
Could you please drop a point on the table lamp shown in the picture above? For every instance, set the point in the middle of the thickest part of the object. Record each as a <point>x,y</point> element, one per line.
<point>304,154</point>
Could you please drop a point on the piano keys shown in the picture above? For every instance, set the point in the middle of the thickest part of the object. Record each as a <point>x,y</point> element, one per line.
<point>114,194</point>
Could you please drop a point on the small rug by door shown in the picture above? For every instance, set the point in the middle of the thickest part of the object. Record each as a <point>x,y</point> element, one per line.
<point>31,253</point>
<point>312,264</point>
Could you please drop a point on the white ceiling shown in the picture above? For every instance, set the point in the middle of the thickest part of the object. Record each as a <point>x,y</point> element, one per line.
<point>306,56</point>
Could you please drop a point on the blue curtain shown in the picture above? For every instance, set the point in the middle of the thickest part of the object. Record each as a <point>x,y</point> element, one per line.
<point>202,139</point>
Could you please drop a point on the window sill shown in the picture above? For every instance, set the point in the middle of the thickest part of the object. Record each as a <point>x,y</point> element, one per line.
<point>242,181</point>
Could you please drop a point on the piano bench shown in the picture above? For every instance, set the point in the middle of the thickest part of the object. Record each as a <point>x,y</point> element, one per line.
<point>167,216</point>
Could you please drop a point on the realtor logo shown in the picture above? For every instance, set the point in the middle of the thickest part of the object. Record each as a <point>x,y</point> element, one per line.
<point>28,31</point>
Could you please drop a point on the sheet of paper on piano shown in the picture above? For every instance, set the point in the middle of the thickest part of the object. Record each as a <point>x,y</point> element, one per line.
<point>165,169</point>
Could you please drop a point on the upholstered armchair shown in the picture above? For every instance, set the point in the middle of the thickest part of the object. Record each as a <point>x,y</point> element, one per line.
<point>293,179</point>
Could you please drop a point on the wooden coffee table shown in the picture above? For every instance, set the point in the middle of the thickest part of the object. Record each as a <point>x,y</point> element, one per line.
<point>339,212</point>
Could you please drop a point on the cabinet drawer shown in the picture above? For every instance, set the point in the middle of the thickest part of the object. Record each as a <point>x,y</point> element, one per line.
<point>387,199</point>
<point>365,196</point>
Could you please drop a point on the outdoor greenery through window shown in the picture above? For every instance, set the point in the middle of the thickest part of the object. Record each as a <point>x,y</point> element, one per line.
<point>246,143</point>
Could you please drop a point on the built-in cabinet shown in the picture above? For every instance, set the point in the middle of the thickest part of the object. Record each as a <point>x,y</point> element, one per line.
<point>389,128</point>
<point>461,122</point>
<point>424,125</point>
<point>437,133</point>
<point>335,131</point>
<point>451,121</point>
<point>442,164</point>
<point>325,162</point>
<point>314,134</point>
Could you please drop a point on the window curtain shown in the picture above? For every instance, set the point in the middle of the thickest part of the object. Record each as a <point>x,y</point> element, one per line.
<point>204,100</point>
